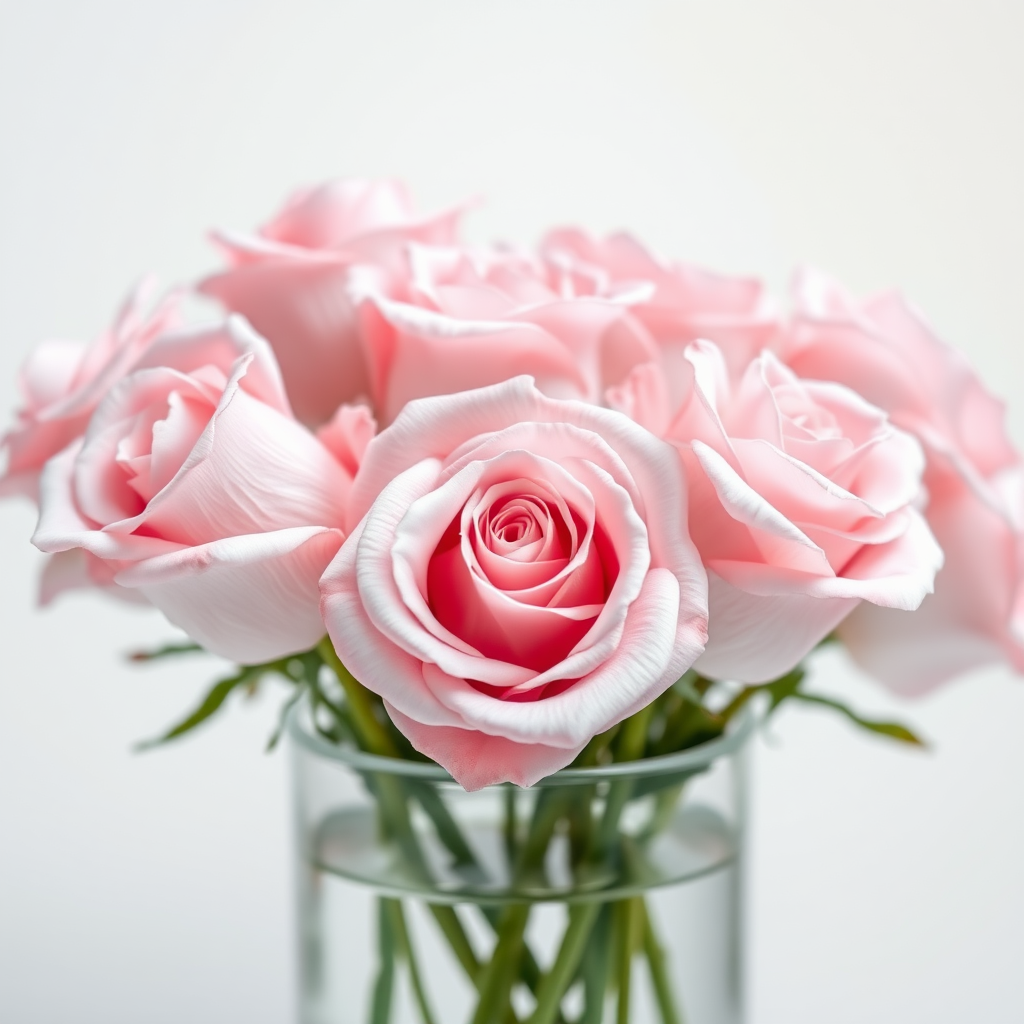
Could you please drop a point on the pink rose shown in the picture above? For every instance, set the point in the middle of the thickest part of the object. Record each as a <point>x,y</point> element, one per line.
<point>479,318</point>
<point>675,302</point>
<point>194,484</point>
<point>519,580</point>
<point>801,504</point>
<point>62,382</point>
<point>974,479</point>
<point>291,281</point>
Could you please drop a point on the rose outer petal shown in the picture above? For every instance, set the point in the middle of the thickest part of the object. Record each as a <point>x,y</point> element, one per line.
<point>249,599</point>
<point>475,759</point>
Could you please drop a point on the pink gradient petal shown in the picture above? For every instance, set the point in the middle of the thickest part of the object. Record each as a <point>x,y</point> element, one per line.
<point>173,439</point>
<point>251,598</point>
<point>62,526</point>
<point>898,574</point>
<point>754,638</point>
<point>293,280</point>
<point>396,603</point>
<point>657,645</point>
<point>304,310</point>
<point>475,759</point>
<point>62,382</point>
<point>252,470</point>
<point>375,660</point>
<point>436,355</point>
<point>779,541</point>
<point>209,352</point>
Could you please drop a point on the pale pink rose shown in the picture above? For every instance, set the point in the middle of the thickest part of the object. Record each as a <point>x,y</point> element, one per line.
<point>194,485</point>
<point>518,578</point>
<point>291,278</point>
<point>62,382</point>
<point>974,478</point>
<point>677,303</point>
<point>474,318</point>
<point>801,503</point>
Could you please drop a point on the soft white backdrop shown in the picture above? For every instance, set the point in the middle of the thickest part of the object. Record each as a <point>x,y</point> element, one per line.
<point>883,140</point>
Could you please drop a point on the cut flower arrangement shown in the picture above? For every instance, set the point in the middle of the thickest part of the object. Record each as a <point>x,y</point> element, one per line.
<point>519,512</point>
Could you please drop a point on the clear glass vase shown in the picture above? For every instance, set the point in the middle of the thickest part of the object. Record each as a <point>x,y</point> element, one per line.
<point>600,895</point>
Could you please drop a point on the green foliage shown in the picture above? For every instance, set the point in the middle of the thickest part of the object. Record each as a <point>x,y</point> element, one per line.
<point>893,730</point>
<point>346,711</point>
<point>295,670</point>
<point>787,688</point>
<point>167,651</point>
<point>246,676</point>
<point>343,709</point>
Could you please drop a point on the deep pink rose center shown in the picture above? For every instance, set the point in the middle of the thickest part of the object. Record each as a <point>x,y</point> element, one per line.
<point>521,577</point>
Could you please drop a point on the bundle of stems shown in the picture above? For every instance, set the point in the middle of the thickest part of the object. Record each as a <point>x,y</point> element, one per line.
<point>604,939</point>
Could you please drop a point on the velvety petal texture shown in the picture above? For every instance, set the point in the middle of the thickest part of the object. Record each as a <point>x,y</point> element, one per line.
<point>518,578</point>
<point>884,349</point>
<point>802,503</point>
<point>676,303</point>
<point>474,318</point>
<point>62,382</point>
<point>291,280</point>
<point>194,485</point>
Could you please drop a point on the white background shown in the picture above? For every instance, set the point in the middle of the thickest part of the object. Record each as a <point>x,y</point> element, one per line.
<point>880,139</point>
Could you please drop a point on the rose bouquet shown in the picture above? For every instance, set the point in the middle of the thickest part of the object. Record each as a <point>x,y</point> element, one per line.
<point>515,511</point>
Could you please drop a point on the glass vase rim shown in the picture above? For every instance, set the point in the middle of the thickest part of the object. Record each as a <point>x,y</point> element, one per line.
<point>692,759</point>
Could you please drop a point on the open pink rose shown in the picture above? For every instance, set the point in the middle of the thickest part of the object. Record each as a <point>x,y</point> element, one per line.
<point>194,484</point>
<point>290,280</point>
<point>62,382</point>
<point>519,580</point>
<point>477,318</point>
<point>801,504</point>
<point>974,479</point>
<point>676,303</point>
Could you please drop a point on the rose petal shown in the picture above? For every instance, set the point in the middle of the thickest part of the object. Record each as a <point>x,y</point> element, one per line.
<point>250,599</point>
<point>475,759</point>
<point>62,526</point>
<point>896,575</point>
<point>250,471</point>
<point>754,638</point>
<point>303,309</point>
<point>653,645</point>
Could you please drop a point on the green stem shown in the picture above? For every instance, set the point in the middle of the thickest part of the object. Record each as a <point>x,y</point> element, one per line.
<point>633,736</point>
<point>629,747</point>
<point>581,824</point>
<point>655,953</point>
<point>508,960</point>
<point>594,967</point>
<point>448,921</point>
<point>383,988</point>
<point>597,749</point>
<point>497,977</point>
<point>509,825</point>
<point>628,941</point>
<point>400,930</point>
<point>447,827</point>
<point>664,807</point>
<point>553,985</point>
<point>392,799</point>
<point>374,737</point>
